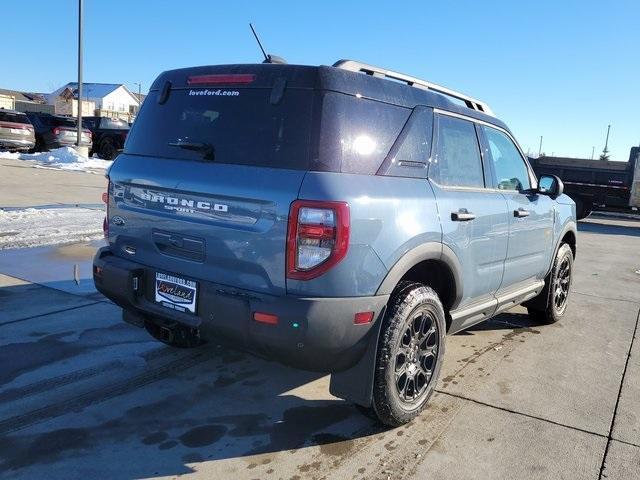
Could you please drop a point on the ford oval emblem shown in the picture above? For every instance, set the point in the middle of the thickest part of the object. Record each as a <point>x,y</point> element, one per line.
<point>118,220</point>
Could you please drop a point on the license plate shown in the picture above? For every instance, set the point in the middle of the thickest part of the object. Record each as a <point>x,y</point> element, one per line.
<point>17,130</point>
<point>176,293</point>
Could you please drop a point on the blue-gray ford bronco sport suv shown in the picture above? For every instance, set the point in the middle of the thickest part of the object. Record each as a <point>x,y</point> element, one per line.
<point>341,219</point>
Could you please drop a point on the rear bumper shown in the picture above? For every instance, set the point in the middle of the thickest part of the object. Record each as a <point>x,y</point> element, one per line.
<point>57,143</point>
<point>17,144</point>
<point>312,333</point>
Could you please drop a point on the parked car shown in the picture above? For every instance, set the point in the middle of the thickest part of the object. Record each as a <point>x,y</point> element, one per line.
<point>55,131</point>
<point>16,131</point>
<point>340,219</point>
<point>108,135</point>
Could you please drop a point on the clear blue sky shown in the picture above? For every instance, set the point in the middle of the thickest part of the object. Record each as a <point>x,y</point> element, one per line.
<point>562,69</point>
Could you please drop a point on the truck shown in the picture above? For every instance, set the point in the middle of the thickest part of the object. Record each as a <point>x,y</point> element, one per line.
<point>596,184</point>
<point>109,135</point>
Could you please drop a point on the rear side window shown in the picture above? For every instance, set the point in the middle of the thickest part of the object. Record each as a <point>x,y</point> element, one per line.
<point>241,126</point>
<point>62,122</point>
<point>89,122</point>
<point>457,161</point>
<point>357,133</point>
<point>13,117</point>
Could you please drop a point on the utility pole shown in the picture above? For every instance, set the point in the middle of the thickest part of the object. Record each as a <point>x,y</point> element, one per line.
<point>605,152</point>
<point>593,151</point>
<point>79,139</point>
<point>139,84</point>
<point>540,147</point>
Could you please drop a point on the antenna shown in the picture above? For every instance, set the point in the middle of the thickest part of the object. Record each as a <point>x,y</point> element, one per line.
<point>266,57</point>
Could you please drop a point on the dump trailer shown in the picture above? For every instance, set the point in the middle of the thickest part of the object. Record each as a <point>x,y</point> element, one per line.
<point>596,184</point>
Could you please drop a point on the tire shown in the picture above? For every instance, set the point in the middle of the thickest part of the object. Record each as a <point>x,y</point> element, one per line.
<point>557,288</point>
<point>107,150</point>
<point>39,146</point>
<point>412,343</point>
<point>174,335</point>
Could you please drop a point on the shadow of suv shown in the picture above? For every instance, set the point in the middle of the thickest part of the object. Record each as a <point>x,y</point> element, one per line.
<point>339,218</point>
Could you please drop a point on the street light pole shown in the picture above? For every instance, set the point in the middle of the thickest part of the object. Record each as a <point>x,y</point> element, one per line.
<point>79,139</point>
<point>139,84</point>
<point>540,147</point>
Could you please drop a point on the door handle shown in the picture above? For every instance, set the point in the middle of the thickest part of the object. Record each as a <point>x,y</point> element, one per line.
<point>521,213</point>
<point>462,215</point>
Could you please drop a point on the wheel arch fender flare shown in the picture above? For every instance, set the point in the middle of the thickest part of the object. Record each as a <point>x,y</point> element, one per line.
<point>569,227</point>
<point>423,252</point>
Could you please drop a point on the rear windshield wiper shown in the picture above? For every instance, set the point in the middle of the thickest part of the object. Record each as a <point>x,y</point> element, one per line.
<point>203,147</point>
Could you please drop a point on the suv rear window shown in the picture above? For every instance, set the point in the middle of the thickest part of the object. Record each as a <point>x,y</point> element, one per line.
<point>242,125</point>
<point>13,117</point>
<point>53,121</point>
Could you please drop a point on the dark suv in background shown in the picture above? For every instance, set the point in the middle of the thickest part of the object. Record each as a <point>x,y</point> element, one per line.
<point>108,135</point>
<point>341,219</point>
<point>16,131</point>
<point>55,131</point>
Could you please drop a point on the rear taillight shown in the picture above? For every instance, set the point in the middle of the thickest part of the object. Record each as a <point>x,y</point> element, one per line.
<point>56,131</point>
<point>318,237</point>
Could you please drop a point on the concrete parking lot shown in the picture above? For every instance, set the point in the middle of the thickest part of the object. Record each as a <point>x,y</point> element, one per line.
<point>84,395</point>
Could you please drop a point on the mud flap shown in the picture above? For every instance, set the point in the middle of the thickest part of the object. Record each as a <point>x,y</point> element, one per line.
<point>540,301</point>
<point>356,383</point>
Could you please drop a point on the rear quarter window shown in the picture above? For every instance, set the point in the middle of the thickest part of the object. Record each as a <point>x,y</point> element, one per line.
<point>357,133</point>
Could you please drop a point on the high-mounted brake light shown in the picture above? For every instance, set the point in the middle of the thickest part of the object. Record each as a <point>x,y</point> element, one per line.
<point>318,237</point>
<point>224,79</point>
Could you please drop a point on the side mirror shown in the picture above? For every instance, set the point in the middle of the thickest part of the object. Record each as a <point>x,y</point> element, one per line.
<point>550,185</point>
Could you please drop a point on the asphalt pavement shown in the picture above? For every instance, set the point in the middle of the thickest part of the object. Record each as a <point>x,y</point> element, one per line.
<point>84,395</point>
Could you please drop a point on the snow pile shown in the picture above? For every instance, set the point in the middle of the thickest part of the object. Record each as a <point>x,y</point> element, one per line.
<point>33,227</point>
<point>65,158</point>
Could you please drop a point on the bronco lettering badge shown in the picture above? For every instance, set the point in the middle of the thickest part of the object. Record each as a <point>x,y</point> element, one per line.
<point>191,205</point>
<point>184,204</point>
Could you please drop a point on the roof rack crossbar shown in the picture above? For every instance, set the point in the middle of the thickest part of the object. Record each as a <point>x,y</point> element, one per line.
<point>355,66</point>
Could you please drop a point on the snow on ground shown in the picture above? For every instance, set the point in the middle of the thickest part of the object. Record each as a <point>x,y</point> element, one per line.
<point>33,227</point>
<point>65,158</point>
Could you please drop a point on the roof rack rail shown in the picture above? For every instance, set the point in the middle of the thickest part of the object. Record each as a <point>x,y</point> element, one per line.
<point>355,66</point>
